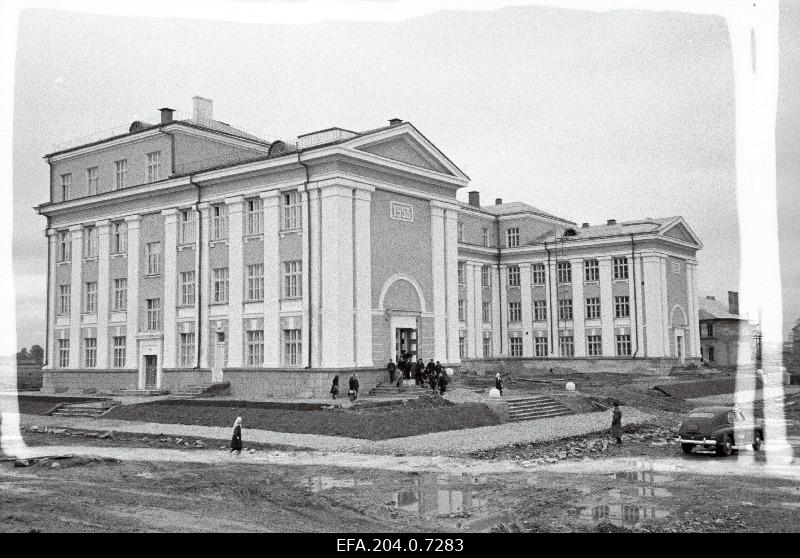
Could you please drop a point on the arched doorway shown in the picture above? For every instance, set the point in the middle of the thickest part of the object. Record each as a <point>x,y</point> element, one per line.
<point>679,325</point>
<point>403,304</point>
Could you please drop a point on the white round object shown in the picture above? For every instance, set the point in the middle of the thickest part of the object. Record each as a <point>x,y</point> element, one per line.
<point>759,371</point>
<point>494,393</point>
<point>449,371</point>
<point>570,386</point>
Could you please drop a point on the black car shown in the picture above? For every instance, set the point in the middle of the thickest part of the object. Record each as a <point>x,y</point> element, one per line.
<point>724,429</point>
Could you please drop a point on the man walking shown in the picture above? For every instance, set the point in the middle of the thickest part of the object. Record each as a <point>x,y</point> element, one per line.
<point>391,368</point>
<point>353,387</point>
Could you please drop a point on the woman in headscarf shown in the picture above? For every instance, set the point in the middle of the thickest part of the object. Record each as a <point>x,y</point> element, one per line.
<point>236,439</point>
<point>335,386</point>
<point>498,384</point>
<point>616,423</point>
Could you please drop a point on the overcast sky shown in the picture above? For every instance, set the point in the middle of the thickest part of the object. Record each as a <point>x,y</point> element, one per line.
<point>589,116</point>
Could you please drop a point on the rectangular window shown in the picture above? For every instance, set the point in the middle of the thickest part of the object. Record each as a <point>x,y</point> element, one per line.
<point>540,346</point>
<point>120,174</point>
<point>514,312</point>
<point>186,350</point>
<point>710,330</point>
<point>487,312</point>
<point>291,211</point>
<point>153,250</point>
<point>624,345</point>
<point>90,242</point>
<point>512,237</point>
<point>539,310</point>
<point>90,352</point>
<point>462,273</point>
<point>462,311</point>
<point>63,353</point>
<point>118,359</point>
<point>711,354</point>
<point>292,347</point>
<point>487,347</point>
<point>120,294</point>
<point>219,222</point>
<point>591,270</point>
<point>566,345</point>
<point>186,226</point>
<point>153,314</point>
<point>220,285</point>
<point>90,297</point>
<point>255,282</point>
<point>565,309</point>
<point>254,222</point>
<point>538,274</point>
<point>92,181</point>
<point>460,229</point>
<point>622,307</point>
<point>462,347</point>
<point>593,308</point>
<point>564,272</point>
<point>66,187</point>
<point>621,268</point>
<point>64,299</point>
<point>486,276</point>
<point>515,343</point>
<point>255,348</point>
<point>154,166</point>
<point>292,279</point>
<point>64,246</point>
<point>485,236</point>
<point>594,345</point>
<point>188,287</point>
<point>513,276</point>
<point>119,237</point>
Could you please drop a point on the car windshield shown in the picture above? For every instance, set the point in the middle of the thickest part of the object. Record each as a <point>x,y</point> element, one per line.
<point>701,414</point>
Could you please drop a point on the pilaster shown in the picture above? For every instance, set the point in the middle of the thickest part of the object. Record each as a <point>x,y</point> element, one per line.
<point>578,308</point>
<point>451,283</point>
<point>76,296</point>
<point>362,271</point>
<point>470,303</point>
<point>170,286</point>
<point>439,288</point>
<point>203,284</point>
<point>133,223</point>
<point>526,302</point>
<point>52,248</point>
<point>103,291</point>
<point>236,278</point>
<point>272,279</point>
<point>607,307</point>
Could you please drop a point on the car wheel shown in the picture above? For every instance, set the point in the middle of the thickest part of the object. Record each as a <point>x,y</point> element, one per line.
<point>687,448</point>
<point>756,441</point>
<point>726,447</point>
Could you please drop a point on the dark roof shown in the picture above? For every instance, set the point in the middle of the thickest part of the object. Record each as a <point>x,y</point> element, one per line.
<point>712,309</point>
<point>513,208</point>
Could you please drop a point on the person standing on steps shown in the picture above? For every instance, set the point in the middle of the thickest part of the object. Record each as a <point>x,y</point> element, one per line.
<point>443,382</point>
<point>616,423</point>
<point>498,384</point>
<point>335,386</point>
<point>352,389</point>
<point>236,439</point>
<point>420,370</point>
<point>391,367</point>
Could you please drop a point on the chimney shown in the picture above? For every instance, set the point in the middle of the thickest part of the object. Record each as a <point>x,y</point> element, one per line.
<point>611,222</point>
<point>203,110</point>
<point>498,201</point>
<point>475,198</point>
<point>585,226</point>
<point>166,115</point>
<point>395,121</point>
<point>733,302</point>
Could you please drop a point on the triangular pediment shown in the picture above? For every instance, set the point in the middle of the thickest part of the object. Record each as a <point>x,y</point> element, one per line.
<point>680,232</point>
<point>406,149</point>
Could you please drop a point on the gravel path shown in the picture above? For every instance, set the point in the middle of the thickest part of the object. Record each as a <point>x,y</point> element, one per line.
<point>453,442</point>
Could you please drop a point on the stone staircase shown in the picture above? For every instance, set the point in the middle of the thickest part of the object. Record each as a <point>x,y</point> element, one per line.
<point>89,409</point>
<point>200,390</point>
<point>388,390</point>
<point>141,392</point>
<point>536,407</point>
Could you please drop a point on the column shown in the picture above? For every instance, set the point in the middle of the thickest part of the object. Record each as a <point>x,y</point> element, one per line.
<point>272,279</point>
<point>103,291</point>
<point>236,281</point>
<point>52,251</point>
<point>477,306</point>
<point>336,276</point>
<point>607,307</point>
<point>470,303</point>
<point>451,283</point>
<point>667,313</point>
<point>552,307</point>
<point>312,323</point>
<point>170,286</point>
<point>578,308</point>
<point>653,306</point>
<point>439,288</point>
<point>694,318</point>
<point>203,281</point>
<point>76,296</point>
<point>132,223</point>
<point>635,274</point>
<point>526,304</point>
<point>503,310</point>
<point>497,284</point>
<point>362,271</point>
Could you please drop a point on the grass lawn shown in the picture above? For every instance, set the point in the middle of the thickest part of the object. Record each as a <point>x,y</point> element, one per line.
<point>372,423</point>
<point>40,404</point>
<point>703,388</point>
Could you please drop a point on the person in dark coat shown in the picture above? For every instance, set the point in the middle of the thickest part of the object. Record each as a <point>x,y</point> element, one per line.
<point>434,380</point>
<point>442,382</point>
<point>353,388</point>
<point>391,367</point>
<point>335,386</point>
<point>431,368</point>
<point>498,383</point>
<point>616,423</point>
<point>438,367</point>
<point>420,370</point>
<point>236,439</point>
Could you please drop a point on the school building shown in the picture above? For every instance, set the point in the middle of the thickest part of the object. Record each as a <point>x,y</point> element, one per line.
<point>186,251</point>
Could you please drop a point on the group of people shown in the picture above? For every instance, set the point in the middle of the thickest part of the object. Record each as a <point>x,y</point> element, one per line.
<point>352,387</point>
<point>433,375</point>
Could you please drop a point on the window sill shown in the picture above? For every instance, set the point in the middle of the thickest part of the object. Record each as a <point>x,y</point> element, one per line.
<point>253,301</point>
<point>290,232</point>
<point>221,303</point>
<point>64,262</point>
<point>286,298</point>
<point>117,254</point>
<point>592,282</point>
<point>620,280</point>
<point>257,236</point>
<point>151,275</point>
<point>90,259</point>
<point>213,243</point>
<point>185,246</point>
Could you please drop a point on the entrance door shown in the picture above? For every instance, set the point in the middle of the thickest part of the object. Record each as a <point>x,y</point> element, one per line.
<point>679,348</point>
<point>220,357</point>
<point>405,341</point>
<point>150,371</point>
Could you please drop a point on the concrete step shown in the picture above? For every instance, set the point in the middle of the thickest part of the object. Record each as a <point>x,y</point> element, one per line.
<point>536,407</point>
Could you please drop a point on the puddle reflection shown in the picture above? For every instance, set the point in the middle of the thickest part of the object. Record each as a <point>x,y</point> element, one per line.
<point>320,483</point>
<point>431,496</point>
<point>646,477</point>
<point>626,514</point>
